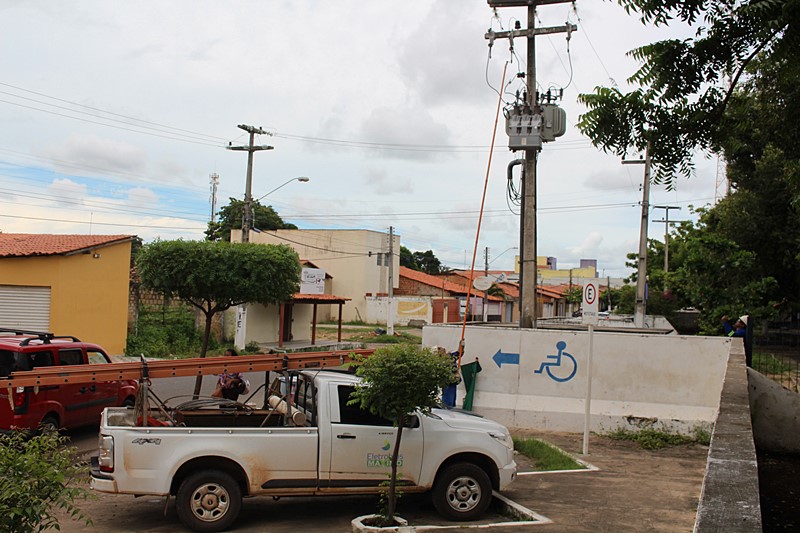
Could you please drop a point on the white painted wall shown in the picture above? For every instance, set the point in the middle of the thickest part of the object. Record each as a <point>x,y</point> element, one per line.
<point>638,379</point>
<point>405,308</point>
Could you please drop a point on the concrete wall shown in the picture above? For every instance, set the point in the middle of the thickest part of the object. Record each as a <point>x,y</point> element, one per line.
<point>666,381</point>
<point>730,501</point>
<point>775,413</point>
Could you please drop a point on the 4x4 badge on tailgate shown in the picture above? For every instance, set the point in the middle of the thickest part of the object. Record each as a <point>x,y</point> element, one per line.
<point>144,441</point>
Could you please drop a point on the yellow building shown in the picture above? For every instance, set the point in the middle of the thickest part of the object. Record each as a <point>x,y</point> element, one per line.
<point>67,284</point>
<point>552,276</point>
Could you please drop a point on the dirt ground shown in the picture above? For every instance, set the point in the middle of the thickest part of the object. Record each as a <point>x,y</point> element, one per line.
<point>634,490</point>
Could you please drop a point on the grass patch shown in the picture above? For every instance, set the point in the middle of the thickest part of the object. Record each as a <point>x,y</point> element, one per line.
<point>653,439</point>
<point>767,363</point>
<point>545,456</point>
<point>397,338</point>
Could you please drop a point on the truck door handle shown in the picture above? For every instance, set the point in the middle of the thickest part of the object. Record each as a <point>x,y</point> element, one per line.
<point>345,436</point>
<point>84,389</point>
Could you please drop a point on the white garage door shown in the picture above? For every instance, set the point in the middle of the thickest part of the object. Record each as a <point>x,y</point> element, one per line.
<point>25,307</point>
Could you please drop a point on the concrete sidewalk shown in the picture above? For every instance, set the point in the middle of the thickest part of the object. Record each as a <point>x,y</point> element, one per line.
<point>634,490</point>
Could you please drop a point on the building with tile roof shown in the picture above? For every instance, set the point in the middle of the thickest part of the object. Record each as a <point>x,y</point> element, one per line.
<point>67,284</point>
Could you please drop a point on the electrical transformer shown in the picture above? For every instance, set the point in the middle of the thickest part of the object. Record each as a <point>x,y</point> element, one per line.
<point>527,131</point>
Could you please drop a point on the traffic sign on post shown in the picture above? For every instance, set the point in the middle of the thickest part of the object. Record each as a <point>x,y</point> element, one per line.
<point>591,301</point>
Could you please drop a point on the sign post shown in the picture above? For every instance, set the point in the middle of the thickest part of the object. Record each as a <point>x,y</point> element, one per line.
<point>591,299</point>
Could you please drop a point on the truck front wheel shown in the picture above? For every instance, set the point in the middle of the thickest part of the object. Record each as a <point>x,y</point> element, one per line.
<point>208,501</point>
<point>462,491</point>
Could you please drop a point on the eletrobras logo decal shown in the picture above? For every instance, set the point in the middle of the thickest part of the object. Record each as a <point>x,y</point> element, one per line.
<point>381,460</point>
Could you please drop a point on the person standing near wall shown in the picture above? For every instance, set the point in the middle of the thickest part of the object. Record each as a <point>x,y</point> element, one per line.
<point>737,329</point>
<point>742,328</point>
<point>449,392</point>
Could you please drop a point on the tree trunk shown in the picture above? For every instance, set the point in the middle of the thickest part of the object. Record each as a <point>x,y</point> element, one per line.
<point>392,500</point>
<point>198,382</point>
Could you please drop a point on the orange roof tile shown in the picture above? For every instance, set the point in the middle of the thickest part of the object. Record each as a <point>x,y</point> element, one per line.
<point>433,281</point>
<point>32,244</point>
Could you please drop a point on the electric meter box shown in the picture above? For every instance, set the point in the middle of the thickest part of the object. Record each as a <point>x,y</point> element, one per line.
<point>554,122</point>
<point>524,132</point>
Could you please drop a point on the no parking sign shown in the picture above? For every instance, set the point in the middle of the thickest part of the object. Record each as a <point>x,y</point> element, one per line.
<point>591,301</point>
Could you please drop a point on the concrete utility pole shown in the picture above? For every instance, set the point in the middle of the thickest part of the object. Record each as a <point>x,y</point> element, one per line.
<point>666,222</point>
<point>247,216</point>
<point>528,268</point>
<point>389,310</point>
<point>641,274</point>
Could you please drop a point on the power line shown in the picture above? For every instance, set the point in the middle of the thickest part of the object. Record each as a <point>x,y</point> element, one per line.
<point>173,227</point>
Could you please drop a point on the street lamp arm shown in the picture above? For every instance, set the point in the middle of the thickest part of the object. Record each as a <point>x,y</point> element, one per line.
<point>301,179</point>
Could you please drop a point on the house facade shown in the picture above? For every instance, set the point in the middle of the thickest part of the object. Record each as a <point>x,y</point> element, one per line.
<point>67,284</point>
<point>357,260</point>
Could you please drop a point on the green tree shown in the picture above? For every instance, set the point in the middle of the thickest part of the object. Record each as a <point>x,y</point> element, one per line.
<point>719,278</point>
<point>407,258</point>
<point>428,262</point>
<point>397,380</point>
<point>214,276</point>
<point>37,477</point>
<point>687,84</point>
<point>265,218</point>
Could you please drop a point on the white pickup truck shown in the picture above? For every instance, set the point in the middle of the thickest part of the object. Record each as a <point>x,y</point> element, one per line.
<point>209,458</point>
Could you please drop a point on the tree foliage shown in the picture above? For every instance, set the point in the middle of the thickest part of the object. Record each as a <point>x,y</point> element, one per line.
<point>685,86</point>
<point>421,261</point>
<point>214,276</point>
<point>265,218</point>
<point>733,88</point>
<point>38,477</point>
<point>397,380</point>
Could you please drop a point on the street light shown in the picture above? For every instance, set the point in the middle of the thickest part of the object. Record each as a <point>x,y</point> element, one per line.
<point>501,253</point>
<point>301,179</point>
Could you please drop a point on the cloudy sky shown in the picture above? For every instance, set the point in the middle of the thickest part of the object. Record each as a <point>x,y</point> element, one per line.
<point>115,114</point>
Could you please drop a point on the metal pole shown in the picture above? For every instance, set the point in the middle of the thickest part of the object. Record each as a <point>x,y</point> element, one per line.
<point>588,404</point>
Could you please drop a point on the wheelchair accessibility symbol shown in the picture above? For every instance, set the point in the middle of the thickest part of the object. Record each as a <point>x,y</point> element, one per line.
<point>562,364</point>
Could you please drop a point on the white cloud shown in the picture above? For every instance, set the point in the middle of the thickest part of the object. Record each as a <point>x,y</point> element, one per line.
<point>97,155</point>
<point>142,197</point>
<point>66,192</point>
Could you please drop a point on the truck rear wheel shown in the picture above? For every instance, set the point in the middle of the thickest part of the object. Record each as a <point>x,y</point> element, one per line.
<point>209,500</point>
<point>462,491</point>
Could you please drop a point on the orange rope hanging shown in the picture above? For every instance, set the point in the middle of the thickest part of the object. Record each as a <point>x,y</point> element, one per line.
<point>480,218</point>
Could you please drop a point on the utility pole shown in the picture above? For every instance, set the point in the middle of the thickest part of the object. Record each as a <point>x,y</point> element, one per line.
<point>666,222</point>
<point>247,216</point>
<point>486,293</point>
<point>528,268</point>
<point>389,309</point>
<point>641,276</point>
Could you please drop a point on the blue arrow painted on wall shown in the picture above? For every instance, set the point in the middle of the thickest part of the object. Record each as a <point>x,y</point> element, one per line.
<point>502,358</point>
